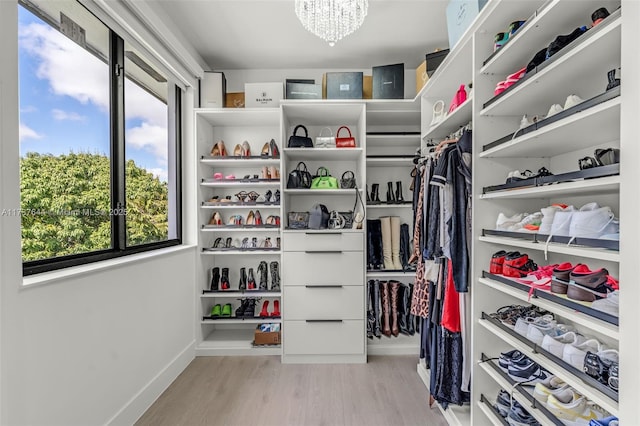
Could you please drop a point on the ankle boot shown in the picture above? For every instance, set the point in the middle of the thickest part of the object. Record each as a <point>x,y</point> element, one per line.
<point>275,276</point>
<point>411,319</point>
<point>251,280</point>
<point>391,199</point>
<point>367,191</point>
<point>376,308</point>
<point>224,280</point>
<point>394,286</point>
<point>215,278</point>
<point>262,276</point>
<point>395,242</point>
<point>386,309</point>
<point>265,309</point>
<point>375,196</point>
<point>399,197</point>
<point>385,227</point>
<point>403,292</point>
<point>370,316</point>
<point>250,308</point>
<point>242,286</point>
<point>241,308</point>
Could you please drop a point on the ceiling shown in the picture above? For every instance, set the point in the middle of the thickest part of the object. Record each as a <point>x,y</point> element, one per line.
<point>266,34</point>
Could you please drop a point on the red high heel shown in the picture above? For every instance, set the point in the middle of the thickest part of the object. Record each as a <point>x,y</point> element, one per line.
<point>263,312</point>
<point>257,217</point>
<point>276,308</point>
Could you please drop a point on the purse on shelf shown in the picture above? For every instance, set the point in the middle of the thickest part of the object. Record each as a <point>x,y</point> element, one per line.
<point>324,180</point>
<point>438,113</point>
<point>458,98</point>
<point>298,220</point>
<point>336,220</point>
<point>299,178</point>
<point>354,218</point>
<point>296,141</point>
<point>318,217</point>
<point>347,142</point>
<point>348,180</point>
<point>325,141</point>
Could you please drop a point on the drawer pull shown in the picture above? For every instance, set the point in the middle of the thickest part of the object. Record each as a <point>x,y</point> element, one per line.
<point>323,251</point>
<point>323,233</point>
<point>323,286</point>
<point>326,320</point>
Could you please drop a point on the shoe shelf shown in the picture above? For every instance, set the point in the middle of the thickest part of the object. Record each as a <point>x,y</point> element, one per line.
<point>486,406</point>
<point>452,122</point>
<point>234,320</point>
<point>384,139</point>
<point>318,154</point>
<point>241,228</point>
<point>557,75</point>
<point>208,294</point>
<point>338,191</point>
<point>247,206</point>
<point>538,242</point>
<point>321,231</point>
<point>231,161</point>
<point>455,415</point>
<point>236,252</point>
<point>559,137</point>
<point>229,183</point>
<point>603,185</point>
<point>405,205</point>
<point>519,393</point>
<point>581,382</point>
<point>234,342</point>
<point>577,312</point>
<point>390,161</point>
<point>240,117</point>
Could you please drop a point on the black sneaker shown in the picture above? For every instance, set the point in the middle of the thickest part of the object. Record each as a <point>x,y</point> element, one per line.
<point>503,403</point>
<point>528,373</point>
<point>518,416</point>
<point>506,359</point>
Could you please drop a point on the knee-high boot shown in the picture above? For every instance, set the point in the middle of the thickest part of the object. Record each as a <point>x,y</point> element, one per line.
<point>394,286</point>
<point>411,319</point>
<point>376,308</point>
<point>403,292</point>
<point>370,314</point>
<point>385,223</point>
<point>374,244</point>
<point>386,309</point>
<point>395,242</point>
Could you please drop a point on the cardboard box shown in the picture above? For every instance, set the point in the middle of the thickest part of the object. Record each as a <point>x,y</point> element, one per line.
<point>434,60</point>
<point>234,100</point>
<point>367,87</point>
<point>460,15</point>
<point>388,82</point>
<point>303,90</point>
<point>421,76</point>
<point>263,95</point>
<point>343,85</point>
<point>266,337</point>
<point>213,89</point>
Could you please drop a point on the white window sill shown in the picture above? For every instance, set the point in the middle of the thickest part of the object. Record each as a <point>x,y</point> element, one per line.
<point>91,268</point>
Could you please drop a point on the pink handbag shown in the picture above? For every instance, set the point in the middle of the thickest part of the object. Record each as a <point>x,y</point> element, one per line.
<point>458,99</point>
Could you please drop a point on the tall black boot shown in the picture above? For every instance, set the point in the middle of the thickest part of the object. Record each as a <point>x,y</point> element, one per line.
<point>275,276</point>
<point>413,325</point>
<point>376,309</point>
<point>370,313</point>
<point>215,279</point>
<point>375,246</point>
<point>262,276</point>
<point>375,196</point>
<point>391,198</point>
<point>225,284</point>
<point>369,246</point>
<point>405,246</point>
<point>403,292</point>
<point>242,285</point>
<point>399,197</point>
<point>251,280</point>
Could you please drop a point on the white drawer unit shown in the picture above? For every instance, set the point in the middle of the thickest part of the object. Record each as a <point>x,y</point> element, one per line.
<point>324,302</point>
<point>323,268</point>
<point>323,240</point>
<point>324,337</point>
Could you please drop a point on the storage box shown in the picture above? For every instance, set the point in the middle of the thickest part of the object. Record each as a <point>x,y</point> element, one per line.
<point>343,85</point>
<point>266,337</point>
<point>303,90</point>
<point>388,82</point>
<point>421,76</point>
<point>460,15</point>
<point>213,89</point>
<point>234,100</point>
<point>263,95</point>
<point>434,60</point>
<point>367,87</point>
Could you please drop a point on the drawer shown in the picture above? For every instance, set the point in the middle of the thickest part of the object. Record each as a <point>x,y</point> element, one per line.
<point>300,269</point>
<point>318,302</point>
<point>323,240</point>
<point>323,338</point>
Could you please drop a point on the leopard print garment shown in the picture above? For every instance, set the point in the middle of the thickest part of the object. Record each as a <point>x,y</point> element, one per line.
<point>420,298</point>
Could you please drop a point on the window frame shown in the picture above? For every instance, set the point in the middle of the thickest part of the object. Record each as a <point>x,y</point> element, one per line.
<point>119,247</point>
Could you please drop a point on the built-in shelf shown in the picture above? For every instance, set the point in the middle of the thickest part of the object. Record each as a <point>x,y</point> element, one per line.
<point>211,228</point>
<point>224,206</point>
<point>313,192</point>
<point>238,294</point>
<point>604,185</point>
<point>231,161</point>
<point>317,154</point>
<point>452,122</point>
<point>251,252</point>
<point>386,139</point>
<point>242,320</point>
<point>240,117</point>
<point>390,161</point>
<point>239,183</point>
<point>237,341</point>
<point>486,406</point>
<point>390,206</point>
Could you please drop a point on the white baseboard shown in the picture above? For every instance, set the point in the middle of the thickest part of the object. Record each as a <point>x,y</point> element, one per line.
<point>141,402</point>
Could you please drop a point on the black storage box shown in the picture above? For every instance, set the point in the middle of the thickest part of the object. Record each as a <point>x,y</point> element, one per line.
<point>303,89</point>
<point>388,82</point>
<point>344,85</point>
<point>434,60</point>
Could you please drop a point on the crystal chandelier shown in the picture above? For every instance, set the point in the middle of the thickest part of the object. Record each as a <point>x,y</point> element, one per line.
<point>331,20</point>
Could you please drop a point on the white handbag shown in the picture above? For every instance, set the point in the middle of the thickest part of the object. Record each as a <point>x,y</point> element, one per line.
<point>439,113</point>
<point>325,141</point>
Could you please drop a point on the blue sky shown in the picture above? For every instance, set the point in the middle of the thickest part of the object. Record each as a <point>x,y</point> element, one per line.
<point>64,101</point>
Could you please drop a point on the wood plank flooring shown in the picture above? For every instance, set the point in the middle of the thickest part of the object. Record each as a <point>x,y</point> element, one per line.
<point>260,391</point>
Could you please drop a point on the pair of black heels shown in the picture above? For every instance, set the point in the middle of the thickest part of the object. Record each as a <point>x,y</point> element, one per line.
<point>272,198</point>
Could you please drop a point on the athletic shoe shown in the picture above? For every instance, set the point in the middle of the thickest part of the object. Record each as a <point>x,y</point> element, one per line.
<point>548,213</point>
<point>504,222</point>
<point>518,265</point>
<point>512,357</point>
<point>563,393</point>
<point>614,376</point>
<point>528,373</point>
<point>497,260</point>
<point>579,411</point>
<point>555,108</point>
<point>561,277</point>
<point>562,222</point>
<point>503,403</point>
<point>607,421</point>
<point>555,344</point>
<point>597,365</point>
<point>572,100</point>
<point>574,354</point>
<point>541,328</point>
<point>518,416</point>
<point>587,286</point>
<point>517,175</point>
<point>593,223</point>
<point>610,304</point>
<point>531,219</point>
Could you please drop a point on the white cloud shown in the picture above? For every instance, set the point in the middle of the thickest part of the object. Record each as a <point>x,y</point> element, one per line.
<point>26,132</point>
<point>28,109</point>
<point>150,138</point>
<point>59,114</point>
<point>158,172</point>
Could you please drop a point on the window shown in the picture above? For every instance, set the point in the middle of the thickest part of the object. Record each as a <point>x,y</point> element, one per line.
<point>99,142</point>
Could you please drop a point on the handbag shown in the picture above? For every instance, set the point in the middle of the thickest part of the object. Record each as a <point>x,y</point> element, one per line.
<point>298,220</point>
<point>458,99</point>
<point>336,220</point>
<point>353,219</point>
<point>324,180</point>
<point>325,141</point>
<point>318,217</point>
<point>348,180</point>
<point>348,142</point>
<point>296,141</point>
<point>299,178</point>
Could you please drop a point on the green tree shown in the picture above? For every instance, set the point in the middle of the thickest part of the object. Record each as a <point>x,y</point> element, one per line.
<point>66,208</point>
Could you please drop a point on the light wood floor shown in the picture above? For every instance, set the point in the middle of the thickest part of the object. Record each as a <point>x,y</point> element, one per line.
<point>261,391</point>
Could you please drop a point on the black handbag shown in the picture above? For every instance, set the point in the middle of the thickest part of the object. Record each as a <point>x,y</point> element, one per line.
<point>348,180</point>
<point>318,217</point>
<point>299,178</point>
<point>296,141</point>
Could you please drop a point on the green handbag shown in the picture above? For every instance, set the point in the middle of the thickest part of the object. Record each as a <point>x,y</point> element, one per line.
<point>324,180</point>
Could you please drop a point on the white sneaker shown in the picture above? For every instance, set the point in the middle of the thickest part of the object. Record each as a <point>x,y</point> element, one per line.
<point>556,344</point>
<point>503,223</point>
<point>555,108</point>
<point>564,393</point>
<point>572,100</point>
<point>574,355</point>
<point>579,411</point>
<point>522,324</point>
<point>548,213</point>
<point>610,305</point>
<point>528,220</point>
<point>592,223</point>
<point>562,222</point>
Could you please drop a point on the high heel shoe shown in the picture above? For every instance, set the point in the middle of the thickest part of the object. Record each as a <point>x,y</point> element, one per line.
<point>265,173</point>
<point>253,196</point>
<point>257,217</point>
<point>246,149</point>
<point>263,273</point>
<point>276,197</point>
<point>216,219</point>
<point>215,279</point>
<point>275,276</point>
<point>274,173</point>
<point>219,150</point>
<point>276,309</point>
<point>265,150</point>
<point>278,242</point>
<point>251,220</point>
<point>266,243</point>
<point>264,312</point>
<point>254,242</point>
<point>242,196</point>
<point>237,150</point>
<point>275,152</point>
<point>242,285</point>
<point>251,281</point>
<point>227,243</point>
<point>267,197</point>
<point>224,279</point>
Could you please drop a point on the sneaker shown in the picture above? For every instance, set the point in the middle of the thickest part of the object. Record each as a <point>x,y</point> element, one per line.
<point>593,223</point>
<point>518,416</point>
<point>541,328</point>
<point>503,403</point>
<point>555,108</point>
<point>614,376</point>
<point>518,265</point>
<point>572,100</point>
<point>561,277</point>
<point>512,357</point>
<point>610,304</point>
<point>597,365</point>
<point>563,392</point>
<point>562,222</point>
<point>504,222</point>
<point>528,373</point>
<point>548,213</point>
<point>579,411</point>
<point>531,219</point>
<point>574,354</point>
<point>587,286</point>
<point>607,421</point>
<point>555,344</point>
<point>517,175</point>
<point>497,260</point>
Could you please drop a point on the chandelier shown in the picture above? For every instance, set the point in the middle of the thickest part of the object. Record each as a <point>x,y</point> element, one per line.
<point>331,20</point>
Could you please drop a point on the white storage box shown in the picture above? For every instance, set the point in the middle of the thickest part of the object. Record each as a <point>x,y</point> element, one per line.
<point>213,89</point>
<point>263,95</point>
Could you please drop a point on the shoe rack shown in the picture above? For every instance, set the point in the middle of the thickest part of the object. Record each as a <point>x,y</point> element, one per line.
<point>242,243</point>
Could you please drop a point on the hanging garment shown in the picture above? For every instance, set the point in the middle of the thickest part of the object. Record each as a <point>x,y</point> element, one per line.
<point>450,369</point>
<point>420,297</point>
<point>451,306</point>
